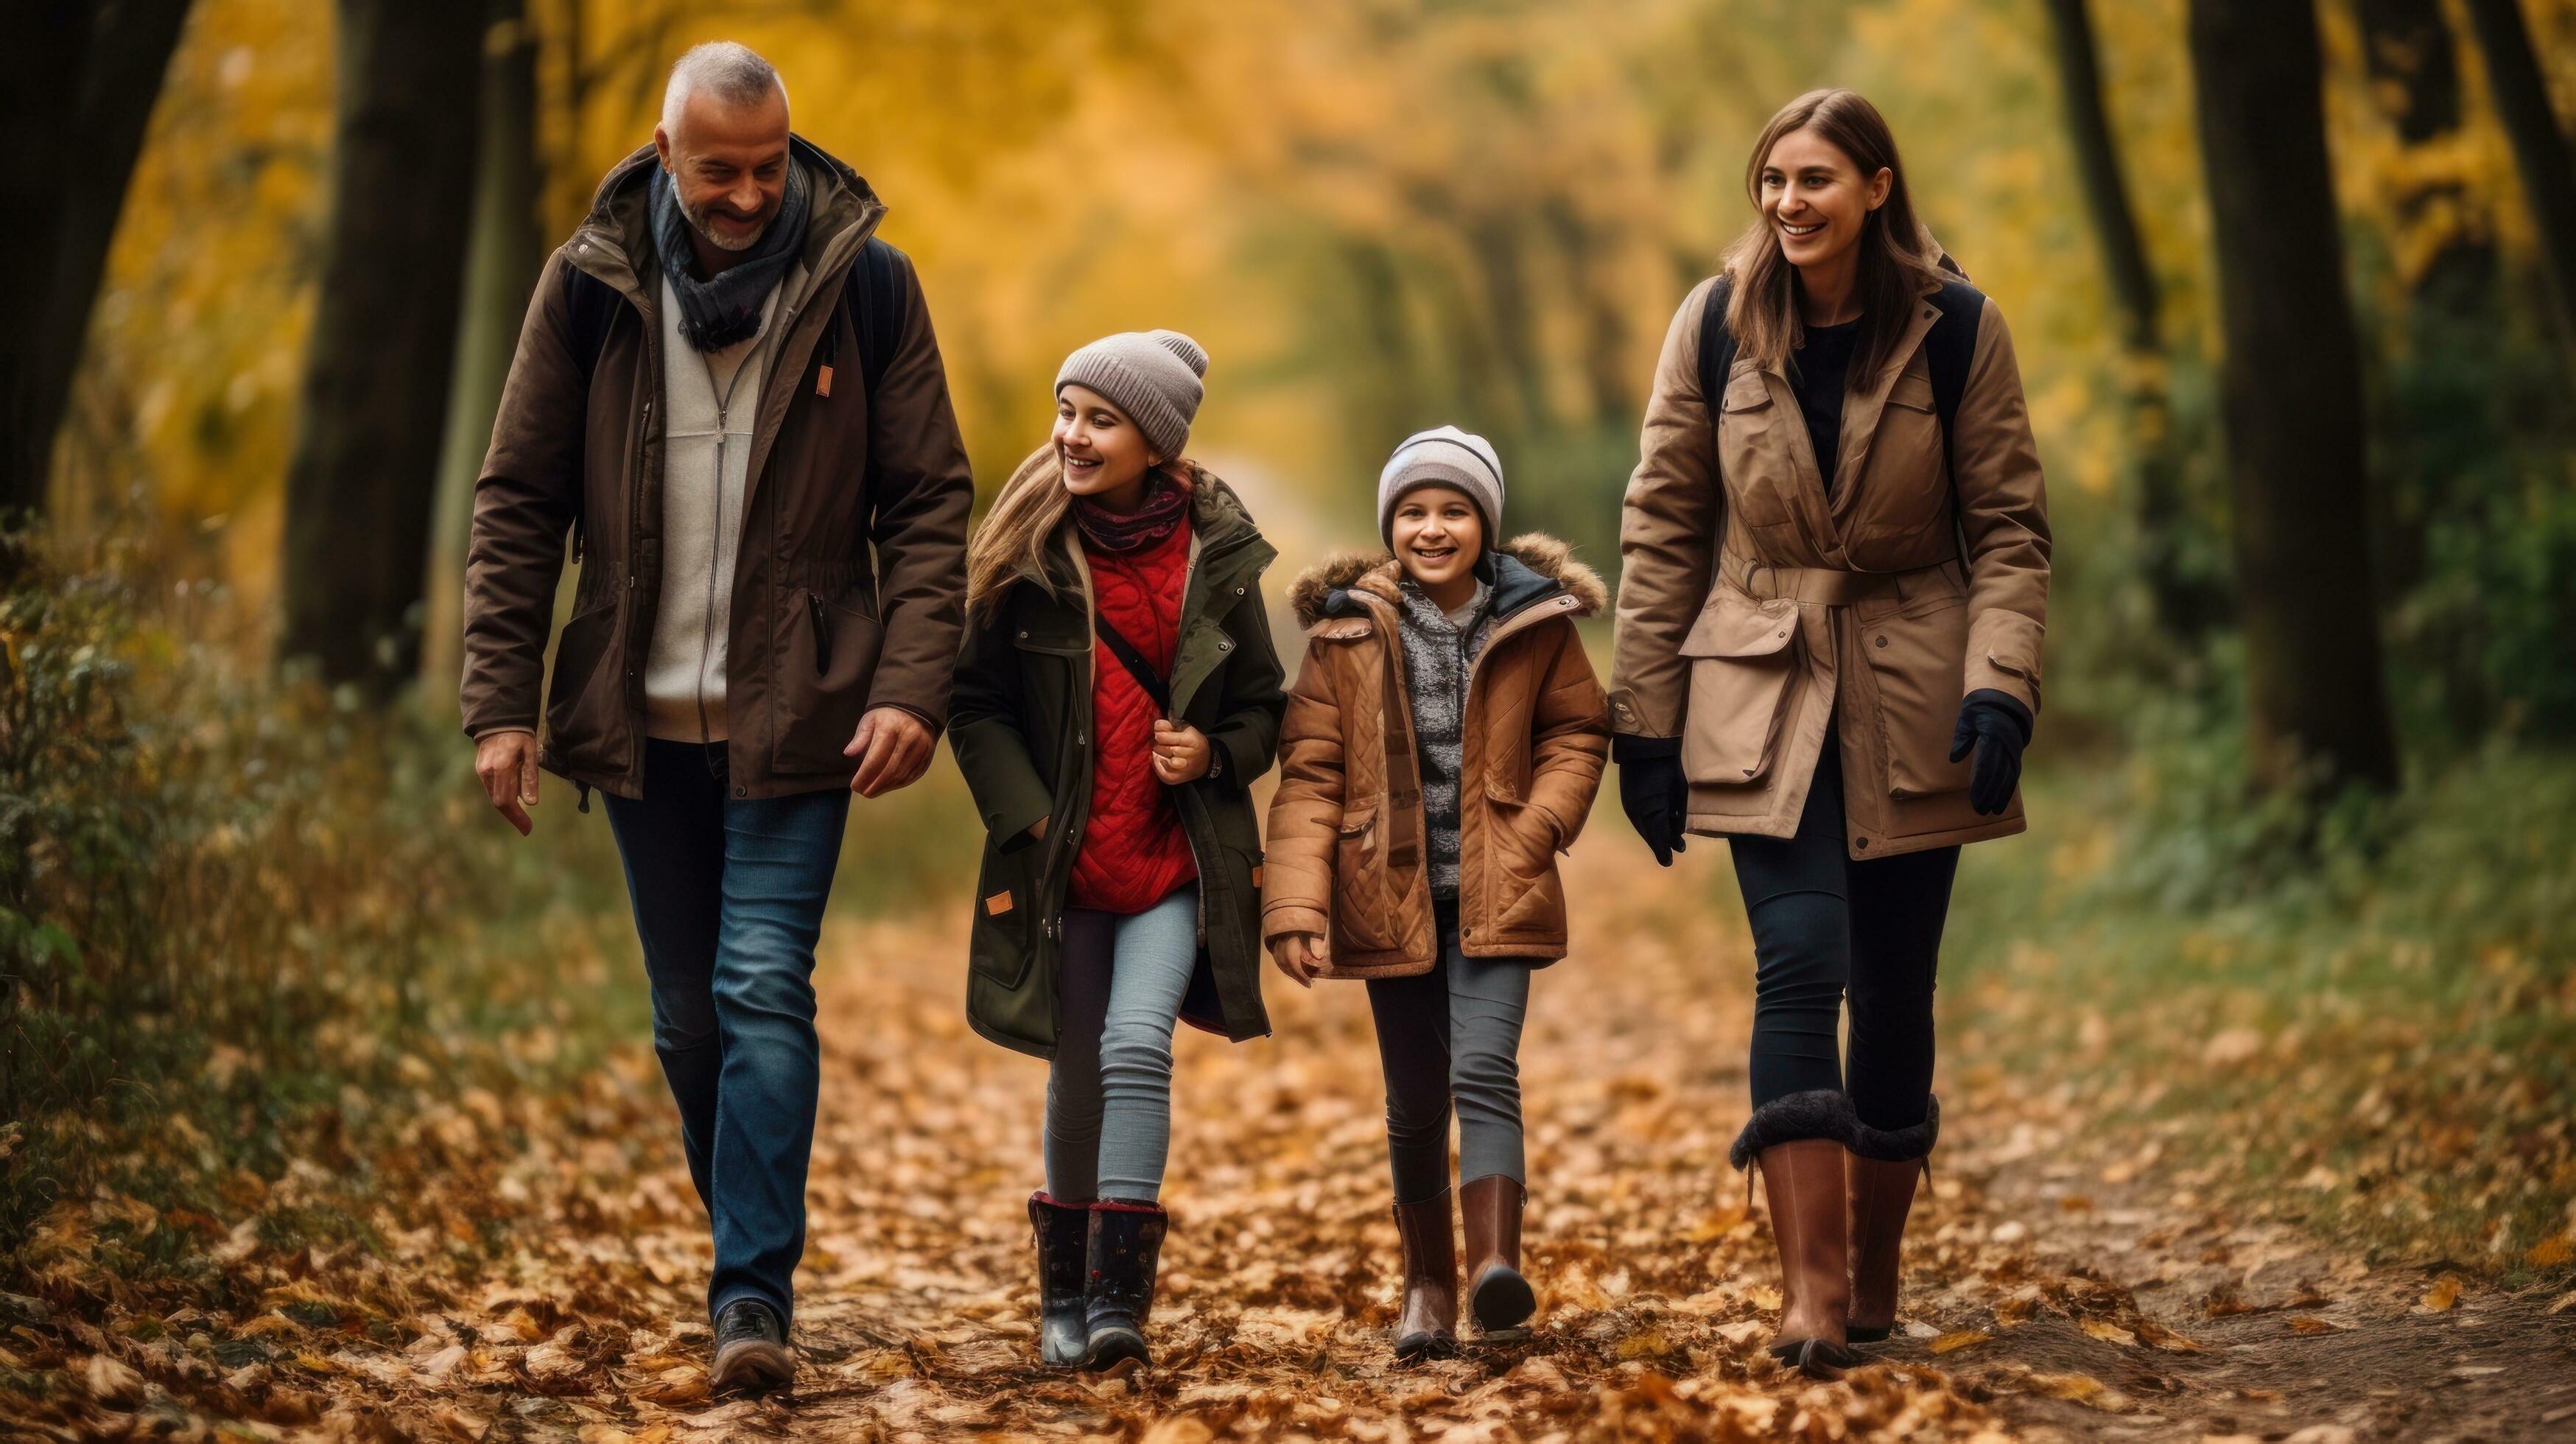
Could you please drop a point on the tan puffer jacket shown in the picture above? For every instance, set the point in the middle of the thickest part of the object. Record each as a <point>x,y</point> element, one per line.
<point>1346,854</point>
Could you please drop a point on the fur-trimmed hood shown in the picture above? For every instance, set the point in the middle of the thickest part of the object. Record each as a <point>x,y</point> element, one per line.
<point>1549,562</point>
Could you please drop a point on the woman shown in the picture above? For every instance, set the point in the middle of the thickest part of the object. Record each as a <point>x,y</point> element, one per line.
<point>1116,696</point>
<point>1443,745</point>
<point>1828,651</point>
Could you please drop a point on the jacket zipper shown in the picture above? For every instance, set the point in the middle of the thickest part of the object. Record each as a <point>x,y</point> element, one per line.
<point>822,633</point>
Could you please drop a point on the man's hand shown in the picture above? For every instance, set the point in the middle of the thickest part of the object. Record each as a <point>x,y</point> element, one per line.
<point>1181,752</point>
<point>1301,956</point>
<point>507,763</point>
<point>893,747</point>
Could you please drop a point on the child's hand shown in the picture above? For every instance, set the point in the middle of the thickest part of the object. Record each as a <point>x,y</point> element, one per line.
<point>1300,956</point>
<point>1181,752</point>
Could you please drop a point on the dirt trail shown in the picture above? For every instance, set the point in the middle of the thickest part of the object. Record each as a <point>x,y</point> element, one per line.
<point>2046,1298</point>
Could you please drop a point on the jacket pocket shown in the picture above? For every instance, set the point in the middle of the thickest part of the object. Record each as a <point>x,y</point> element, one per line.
<point>1753,451</point>
<point>1917,660</point>
<point>828,657</point>
<point>586,702</point>
<point>1742,658</point>
<point>1363,918</point>
<point>1006,928</point>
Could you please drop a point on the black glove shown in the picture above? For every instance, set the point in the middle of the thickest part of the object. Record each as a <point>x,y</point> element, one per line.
<point>1997,727</point>
<point>1653,792</point>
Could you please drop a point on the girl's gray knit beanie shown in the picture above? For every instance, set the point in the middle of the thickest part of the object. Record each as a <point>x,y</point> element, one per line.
<point>1153,376</point>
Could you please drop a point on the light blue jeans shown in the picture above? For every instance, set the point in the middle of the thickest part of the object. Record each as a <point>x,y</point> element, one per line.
<point>1119,984</point>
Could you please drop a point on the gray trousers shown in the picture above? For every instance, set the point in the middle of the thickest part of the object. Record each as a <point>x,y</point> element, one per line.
<point>1119,983</point>
<point>1452,1034</point>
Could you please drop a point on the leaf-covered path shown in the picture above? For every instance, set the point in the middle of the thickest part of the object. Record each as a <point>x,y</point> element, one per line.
<point>541,1275</point>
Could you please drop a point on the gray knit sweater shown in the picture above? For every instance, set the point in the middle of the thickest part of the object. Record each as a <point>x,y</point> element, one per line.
<point>1439,650</point>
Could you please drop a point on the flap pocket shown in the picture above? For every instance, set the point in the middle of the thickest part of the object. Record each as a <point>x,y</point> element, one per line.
<point>1748,392</point>
<point>1060,643</point>
<point>1742,666</point>
<point>1735,625</point>
<point>1913,391</point>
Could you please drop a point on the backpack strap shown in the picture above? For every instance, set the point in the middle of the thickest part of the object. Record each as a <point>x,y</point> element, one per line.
<point>1951,345</point>
<point>875,296</point>
<point>1716,345</point>
<point>592,306</point>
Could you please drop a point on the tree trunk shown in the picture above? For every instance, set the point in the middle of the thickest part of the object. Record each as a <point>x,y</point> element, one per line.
<point>363,482</point>
<point>502,258</point>
<point>78,100</point>
<point>2290,391</point>
<point>2540,149</point>
<point>2097,164</point>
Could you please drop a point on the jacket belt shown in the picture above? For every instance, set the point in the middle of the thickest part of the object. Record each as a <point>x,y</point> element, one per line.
<point>1826,586</point>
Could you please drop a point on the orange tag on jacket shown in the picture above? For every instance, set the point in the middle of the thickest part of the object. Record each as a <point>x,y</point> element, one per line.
<point>823,381</point>
<point>1256,877</point>
<point>998,904</point>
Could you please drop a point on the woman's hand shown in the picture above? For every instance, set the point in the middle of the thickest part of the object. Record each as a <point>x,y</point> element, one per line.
<point>1300,956</point>
<point>1181,752</point>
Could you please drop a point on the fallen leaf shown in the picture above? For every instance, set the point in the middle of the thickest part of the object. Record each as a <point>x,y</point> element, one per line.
<point>2443,1294</point>
<point>2310,1324</point>
<point>2109,1332</point>
<point>1959,1339</point>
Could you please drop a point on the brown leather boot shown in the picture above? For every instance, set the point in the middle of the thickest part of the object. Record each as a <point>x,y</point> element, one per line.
<point>1803,1180</point>
<point>1881,1194</point>
<point>1499,1298</point>
<point>1428,1326</point>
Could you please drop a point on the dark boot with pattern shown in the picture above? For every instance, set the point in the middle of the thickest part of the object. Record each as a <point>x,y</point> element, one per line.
<point>1126,1246</point>
<point>1427,1328</point>
<point>1063,1238</point>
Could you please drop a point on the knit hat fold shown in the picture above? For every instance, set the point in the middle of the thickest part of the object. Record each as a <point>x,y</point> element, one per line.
<point>1153,376</point>
<point>1443,456</point>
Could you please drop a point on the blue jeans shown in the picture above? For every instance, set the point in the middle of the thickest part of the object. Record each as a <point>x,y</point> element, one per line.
<point>728,902</point>
<point>1120,981</point>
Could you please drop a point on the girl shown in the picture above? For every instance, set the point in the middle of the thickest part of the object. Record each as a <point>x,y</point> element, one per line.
<point>1443,743</point>
<point>1116,696</point>
<point>1836,579</point>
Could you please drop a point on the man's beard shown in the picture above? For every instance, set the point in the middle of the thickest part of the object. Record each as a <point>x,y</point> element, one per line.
<point>697,219</point>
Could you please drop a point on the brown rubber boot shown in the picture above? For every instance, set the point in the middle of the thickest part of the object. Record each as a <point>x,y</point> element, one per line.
<point>1428,1326</point>
<point>1499,1298</point>
<point>1803,1180</point>
<point>1881,1195</point>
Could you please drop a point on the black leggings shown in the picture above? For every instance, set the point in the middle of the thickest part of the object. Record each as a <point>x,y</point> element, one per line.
<point>1825,927</point>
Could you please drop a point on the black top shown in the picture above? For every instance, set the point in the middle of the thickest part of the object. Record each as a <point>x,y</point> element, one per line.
<point>1816,377</point>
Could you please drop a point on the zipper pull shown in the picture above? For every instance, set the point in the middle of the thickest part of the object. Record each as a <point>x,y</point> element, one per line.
<point>822,634</point>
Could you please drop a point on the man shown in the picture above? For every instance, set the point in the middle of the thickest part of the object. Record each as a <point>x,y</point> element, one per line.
<point>728,395</point>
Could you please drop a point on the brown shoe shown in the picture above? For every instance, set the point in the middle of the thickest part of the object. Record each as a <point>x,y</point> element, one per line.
<point>1881,1195</point>
<point>752,1356</point>
<point>1499,1298</point>
<point>1428,1326</point>
<point>1803,1180</point>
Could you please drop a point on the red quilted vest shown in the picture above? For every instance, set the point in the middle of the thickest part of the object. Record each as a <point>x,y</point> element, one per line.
<point>1133,850</point>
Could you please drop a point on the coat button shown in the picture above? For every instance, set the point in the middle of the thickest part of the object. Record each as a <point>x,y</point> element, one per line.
<point>1862,844</point>
<point>1882,641</point>
<point>742,792</point>
<point>1024,634</point>
<point>1224,646</point>
<point>1238,591</point>
<point>1781,633</point>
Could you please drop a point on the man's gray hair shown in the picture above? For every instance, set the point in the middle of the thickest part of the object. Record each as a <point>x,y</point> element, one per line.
<point>733,73</point>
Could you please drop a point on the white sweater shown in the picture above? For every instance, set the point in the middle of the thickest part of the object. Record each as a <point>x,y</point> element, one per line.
<point>709,401</point>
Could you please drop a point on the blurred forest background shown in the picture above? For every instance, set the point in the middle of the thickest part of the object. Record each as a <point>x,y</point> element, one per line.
<point>2294,288</point>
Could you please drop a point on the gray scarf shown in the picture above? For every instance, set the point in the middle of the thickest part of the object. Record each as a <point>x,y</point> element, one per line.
<point>726,311</point>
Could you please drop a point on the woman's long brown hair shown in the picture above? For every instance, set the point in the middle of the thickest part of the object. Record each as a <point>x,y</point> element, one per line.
<point>1898,260</point>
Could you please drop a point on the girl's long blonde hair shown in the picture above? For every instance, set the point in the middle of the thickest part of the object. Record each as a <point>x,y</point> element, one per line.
<point>1024,518</point>
<point>1898,260</point>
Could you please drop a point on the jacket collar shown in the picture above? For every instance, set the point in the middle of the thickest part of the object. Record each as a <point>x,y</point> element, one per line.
<point>1528,569</point>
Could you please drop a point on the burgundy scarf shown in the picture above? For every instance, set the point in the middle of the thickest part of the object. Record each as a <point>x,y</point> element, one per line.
<point>1166,502</point>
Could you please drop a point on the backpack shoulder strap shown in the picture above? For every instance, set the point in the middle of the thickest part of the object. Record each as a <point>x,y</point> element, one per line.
<point>875,293</point>
<point>1951,345</point>
<point>593,307</point>
<point>1716,344</point>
